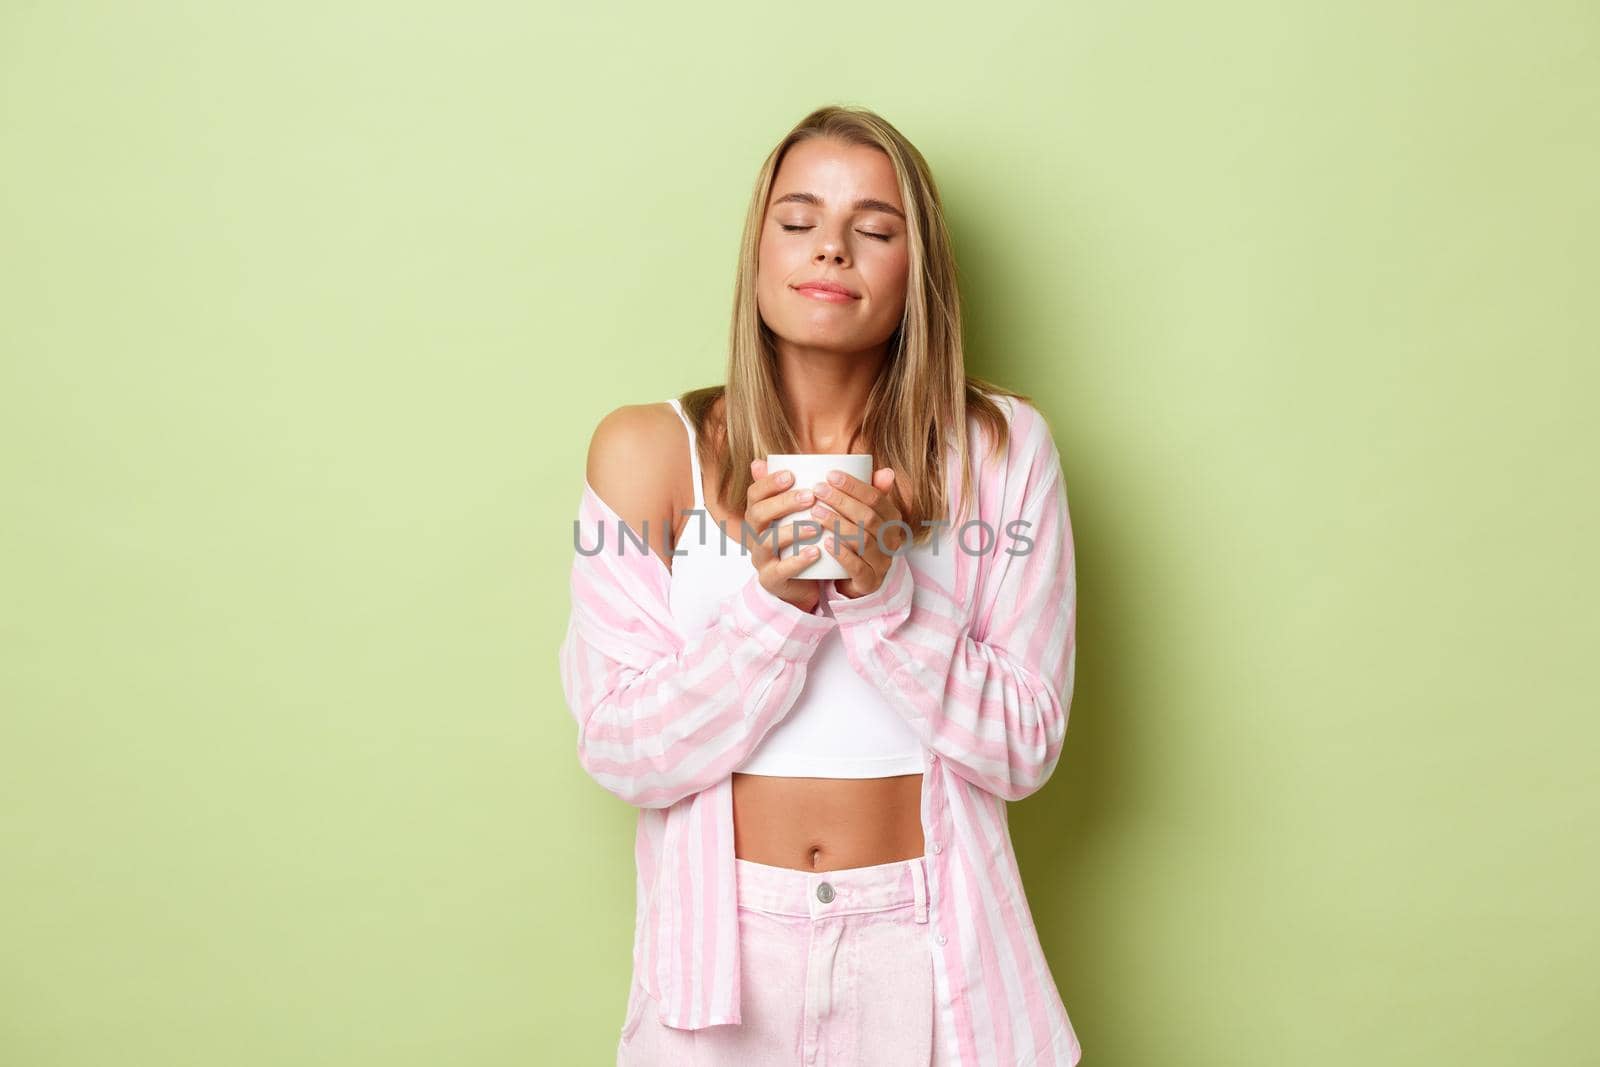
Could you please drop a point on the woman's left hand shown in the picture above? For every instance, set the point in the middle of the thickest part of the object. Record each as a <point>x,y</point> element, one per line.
<point>859,511</point>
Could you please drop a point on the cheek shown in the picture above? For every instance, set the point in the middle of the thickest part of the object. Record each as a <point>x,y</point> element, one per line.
<point>772,262</point>
<point>767,269</point>
<point>890,275</point>
<point>771,274</point>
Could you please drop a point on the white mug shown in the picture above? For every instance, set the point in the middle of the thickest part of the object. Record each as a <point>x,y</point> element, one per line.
<point>809,469</point>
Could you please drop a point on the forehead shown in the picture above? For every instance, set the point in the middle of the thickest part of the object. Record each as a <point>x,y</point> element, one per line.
<point>837,172</point>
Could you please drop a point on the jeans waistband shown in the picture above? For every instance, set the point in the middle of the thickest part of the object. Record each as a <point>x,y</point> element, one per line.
<point>848,891</point>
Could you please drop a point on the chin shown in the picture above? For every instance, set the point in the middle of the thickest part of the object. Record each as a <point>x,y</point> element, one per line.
<point>831,339</point>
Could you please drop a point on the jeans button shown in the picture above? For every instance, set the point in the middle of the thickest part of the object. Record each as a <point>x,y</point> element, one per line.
<point>825,892</point>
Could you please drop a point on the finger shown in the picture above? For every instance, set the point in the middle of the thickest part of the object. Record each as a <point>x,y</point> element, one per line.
<point>766,484</point>
<point>805,530</point>
<point>839,526</point>
<point>793,565</point>
<point>884,478</point>
<point>857,499</point>
<point>764,512</point>
<point>766,541</point>
<point>848,486</point>
<point>857,568</point>
<point>862,540</point>
<point>838,504</point>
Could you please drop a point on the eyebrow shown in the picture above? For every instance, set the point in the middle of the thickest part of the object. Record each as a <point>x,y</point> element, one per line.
<point>866,203</point>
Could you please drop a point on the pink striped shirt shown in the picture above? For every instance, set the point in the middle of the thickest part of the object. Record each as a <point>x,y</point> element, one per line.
<point>982,673</point>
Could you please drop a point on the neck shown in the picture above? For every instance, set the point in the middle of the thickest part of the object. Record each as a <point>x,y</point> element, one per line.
<point>825,393</point>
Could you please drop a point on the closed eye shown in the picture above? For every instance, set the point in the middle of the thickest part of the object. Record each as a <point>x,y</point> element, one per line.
<point>865,233</point>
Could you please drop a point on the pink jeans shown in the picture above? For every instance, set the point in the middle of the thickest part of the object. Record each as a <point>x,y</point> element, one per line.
<point>837,970</point>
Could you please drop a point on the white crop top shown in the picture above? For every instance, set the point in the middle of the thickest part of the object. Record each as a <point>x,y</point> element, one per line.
<point>840,726</point>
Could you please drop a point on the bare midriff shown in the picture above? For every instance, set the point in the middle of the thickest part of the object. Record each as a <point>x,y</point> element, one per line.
<point>826,824</point>
<point>815,824</point>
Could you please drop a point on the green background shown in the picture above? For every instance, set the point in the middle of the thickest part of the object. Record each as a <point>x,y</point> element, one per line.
<point>307,312</point>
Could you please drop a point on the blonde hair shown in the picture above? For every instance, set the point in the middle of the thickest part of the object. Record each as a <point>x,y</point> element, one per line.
<point>920,403</point>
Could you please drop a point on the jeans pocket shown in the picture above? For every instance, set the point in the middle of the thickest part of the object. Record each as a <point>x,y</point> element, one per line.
<point>893,993</point>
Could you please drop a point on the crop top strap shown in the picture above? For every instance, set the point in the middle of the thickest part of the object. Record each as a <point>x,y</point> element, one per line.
<point>694,453</point>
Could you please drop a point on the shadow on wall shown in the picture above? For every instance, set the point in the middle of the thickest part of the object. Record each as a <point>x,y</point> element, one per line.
<point>1064,833</point>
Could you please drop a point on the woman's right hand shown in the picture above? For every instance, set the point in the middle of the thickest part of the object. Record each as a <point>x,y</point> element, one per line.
<point>770,498</point>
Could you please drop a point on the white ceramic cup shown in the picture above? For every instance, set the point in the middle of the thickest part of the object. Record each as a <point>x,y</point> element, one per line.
<point>809,469</point>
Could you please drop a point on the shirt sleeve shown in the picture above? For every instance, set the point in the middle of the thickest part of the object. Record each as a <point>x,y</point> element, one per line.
<point>990,696</point>
<point>658,724</point>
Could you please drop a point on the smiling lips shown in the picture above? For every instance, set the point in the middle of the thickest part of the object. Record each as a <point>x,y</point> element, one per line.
<point>831,292</point>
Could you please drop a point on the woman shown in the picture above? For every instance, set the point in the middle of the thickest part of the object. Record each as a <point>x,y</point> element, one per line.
<point>824,873</point>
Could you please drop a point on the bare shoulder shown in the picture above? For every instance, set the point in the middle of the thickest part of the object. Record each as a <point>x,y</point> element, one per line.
<point>630,465</point>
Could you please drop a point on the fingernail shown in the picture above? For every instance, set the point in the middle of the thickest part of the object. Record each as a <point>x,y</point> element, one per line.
<point>836,477</point>
<point>804,496</point>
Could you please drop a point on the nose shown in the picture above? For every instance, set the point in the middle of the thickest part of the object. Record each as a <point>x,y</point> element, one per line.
<point>831,249</point>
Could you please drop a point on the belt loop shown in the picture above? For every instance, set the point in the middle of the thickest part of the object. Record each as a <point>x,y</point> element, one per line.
<point>919,891</point>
